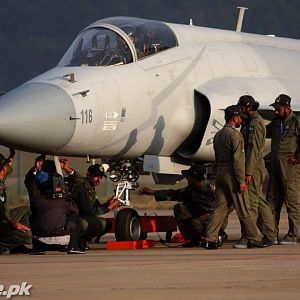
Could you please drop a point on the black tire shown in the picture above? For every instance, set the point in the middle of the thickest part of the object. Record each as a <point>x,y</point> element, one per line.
<point>128,225</point>
<point>169,236</point>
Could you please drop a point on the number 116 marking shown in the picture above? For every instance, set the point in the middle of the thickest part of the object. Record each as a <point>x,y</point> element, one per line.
<point>86,116</point>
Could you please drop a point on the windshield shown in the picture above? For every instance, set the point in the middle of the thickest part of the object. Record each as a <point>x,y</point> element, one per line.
<point>100,46</point>
<point>97,47</point>
<point>148,37</point>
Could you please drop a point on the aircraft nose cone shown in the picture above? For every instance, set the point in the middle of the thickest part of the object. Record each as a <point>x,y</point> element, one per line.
<point>36,117</point>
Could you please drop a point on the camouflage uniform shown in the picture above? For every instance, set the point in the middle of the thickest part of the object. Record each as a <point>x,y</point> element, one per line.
<point>190,213</point>
<point>9,236</point>
<point>84,195</point>
<point>284,177</point>
<point>230,157</point>
<point>254,133</point>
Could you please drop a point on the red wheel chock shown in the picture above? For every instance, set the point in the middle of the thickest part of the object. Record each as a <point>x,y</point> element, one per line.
<point>148,224</point>
<point>124,245</point>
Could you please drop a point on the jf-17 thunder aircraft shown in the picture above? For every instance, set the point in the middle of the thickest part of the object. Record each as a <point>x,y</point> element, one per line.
<point>146,94</point>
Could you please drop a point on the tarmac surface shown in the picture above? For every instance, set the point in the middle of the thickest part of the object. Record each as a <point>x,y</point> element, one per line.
<point>161,272</point>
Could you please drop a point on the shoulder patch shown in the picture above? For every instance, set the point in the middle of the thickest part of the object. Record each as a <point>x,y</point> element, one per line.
<point>212,187</point>
<point>208,186</point>
<point>251,129</point>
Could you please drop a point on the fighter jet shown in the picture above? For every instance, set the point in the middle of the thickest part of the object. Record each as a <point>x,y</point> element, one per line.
<point>137,90</point>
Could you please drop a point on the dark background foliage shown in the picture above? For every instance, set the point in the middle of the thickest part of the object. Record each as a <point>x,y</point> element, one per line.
<point>34,34</point>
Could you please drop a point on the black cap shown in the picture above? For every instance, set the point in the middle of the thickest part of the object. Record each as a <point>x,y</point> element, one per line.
<point>247,100</point>
<point>41,157</point>
<point>3,161</point>
<point>233,110</point>
<point>49,166</point>
<point>96,170</point>
<point>197,171</point>
<point>281,100</point>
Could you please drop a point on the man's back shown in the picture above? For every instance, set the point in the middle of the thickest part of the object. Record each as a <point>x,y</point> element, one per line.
<point>222,145</point>
<point>201,199</point>
<point>226,143</point>
<point>254,134</point>
<point>229,151</point>
<point>51,214</point>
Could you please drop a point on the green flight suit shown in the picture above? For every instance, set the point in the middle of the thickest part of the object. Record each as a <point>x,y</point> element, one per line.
<point>194,203</point>
<point>9,236</point>
<point>254,133</point>
<point>84,195</point>
<point>230,157</point>
<point>284,177</point>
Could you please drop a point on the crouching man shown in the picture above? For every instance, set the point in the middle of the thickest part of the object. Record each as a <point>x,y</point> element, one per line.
<point>56,219</point>
<point>14,224</point>
<point>196,202</point>
<point>83,193</point>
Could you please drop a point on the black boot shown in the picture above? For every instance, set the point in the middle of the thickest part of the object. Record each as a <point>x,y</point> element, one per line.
<point>222,238</point>
<point>209,245</point>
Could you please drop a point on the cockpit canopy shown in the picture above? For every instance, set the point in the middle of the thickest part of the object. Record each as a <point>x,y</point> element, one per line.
<point>117,41</point>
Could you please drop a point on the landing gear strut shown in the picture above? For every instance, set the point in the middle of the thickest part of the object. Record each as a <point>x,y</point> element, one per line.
<point>127,224</point>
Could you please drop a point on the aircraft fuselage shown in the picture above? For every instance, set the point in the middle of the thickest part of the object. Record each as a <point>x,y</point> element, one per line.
<point>164,103</point>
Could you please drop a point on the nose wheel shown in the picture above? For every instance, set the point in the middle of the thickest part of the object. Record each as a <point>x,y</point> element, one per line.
<point>127,225</point>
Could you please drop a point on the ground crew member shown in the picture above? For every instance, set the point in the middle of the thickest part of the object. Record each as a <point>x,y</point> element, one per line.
<point>30,176</point>
<point>84,195</point>
<point>196,202</point>
<point>254,134</point>
<point>231,188</point>
<point>14,224</point>
<point>56,221</point>
<point>30,183</point>
<point>284,131</point>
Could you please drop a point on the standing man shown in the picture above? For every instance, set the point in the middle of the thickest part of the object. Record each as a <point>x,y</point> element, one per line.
<point>14,224</point>
<point>231,188</point>
<point>90,209</point>
<point>254,134</point>
<point>284,131</point>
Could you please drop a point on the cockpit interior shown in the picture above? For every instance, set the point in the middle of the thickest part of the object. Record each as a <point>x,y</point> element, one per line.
<point>118,41</point>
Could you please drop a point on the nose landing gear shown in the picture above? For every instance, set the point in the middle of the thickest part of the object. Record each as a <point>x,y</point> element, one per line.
<point>128,225</point>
